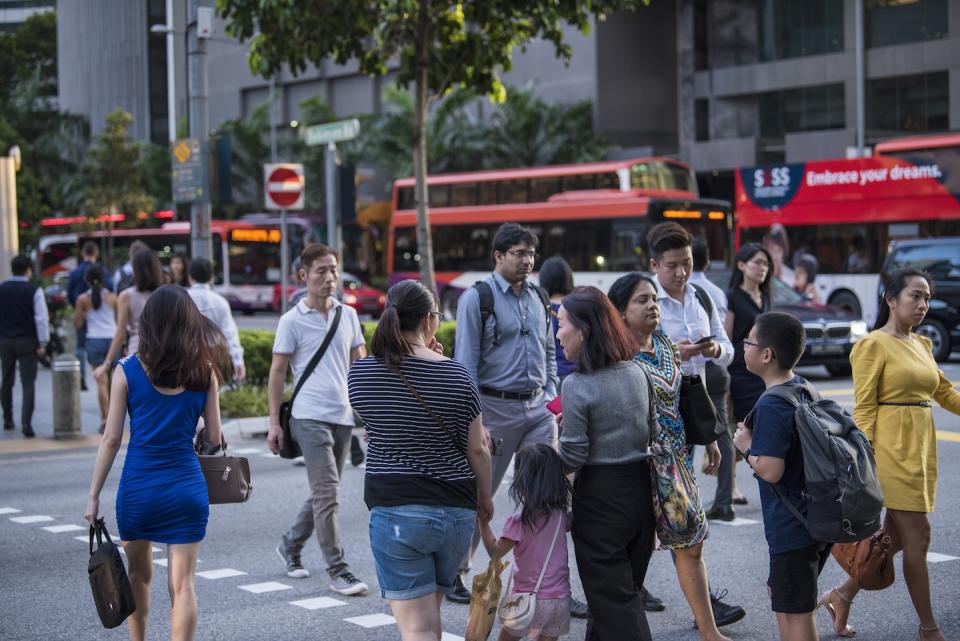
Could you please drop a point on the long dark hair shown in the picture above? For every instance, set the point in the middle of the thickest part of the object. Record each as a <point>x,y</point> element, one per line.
<point>179,346</point>
<point>93,277</point>
<point>556,276</point>
<point>747,252</point>
<point>407,303</point>
<point>539,485</point>
<point>147,271</point>
<point>891,287</point>
<point>606,339</point>
<point>622,289</point>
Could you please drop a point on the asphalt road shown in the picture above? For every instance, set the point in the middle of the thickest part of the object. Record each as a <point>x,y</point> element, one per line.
<point>44,592</point>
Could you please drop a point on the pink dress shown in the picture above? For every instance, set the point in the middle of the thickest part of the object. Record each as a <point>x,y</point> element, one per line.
<point>552,616</point>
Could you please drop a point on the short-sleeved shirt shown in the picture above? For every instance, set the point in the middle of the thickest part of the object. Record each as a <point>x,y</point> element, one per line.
<point>300,333</point>
<point>775,434</point>
<point>411,459</point>
<point>530,553</point>
<point>745,312</point>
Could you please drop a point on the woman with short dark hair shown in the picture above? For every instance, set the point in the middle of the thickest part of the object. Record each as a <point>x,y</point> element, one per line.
<point>607,422</point>
<point>557,278</point>
<point>428,467</point>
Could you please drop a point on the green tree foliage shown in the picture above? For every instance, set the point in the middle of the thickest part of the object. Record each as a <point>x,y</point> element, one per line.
<point>249,150</point>
<point>112,172</point>
<point>437,45</point>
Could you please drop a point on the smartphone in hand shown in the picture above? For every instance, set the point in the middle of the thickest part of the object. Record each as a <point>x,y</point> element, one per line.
<point>705,339</point>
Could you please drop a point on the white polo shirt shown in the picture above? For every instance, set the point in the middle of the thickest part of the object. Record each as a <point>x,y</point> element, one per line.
<point>299,334</point>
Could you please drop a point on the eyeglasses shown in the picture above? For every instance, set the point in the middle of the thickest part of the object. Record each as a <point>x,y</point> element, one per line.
<point>760,263</point>
<point>746,342</point>
<point>438,315</point>
<point>521,254</point>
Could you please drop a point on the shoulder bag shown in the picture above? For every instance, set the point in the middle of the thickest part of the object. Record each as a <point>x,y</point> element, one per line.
<point>227,477</point>
<point>289,448</point>
<point>700,424</point>
<point>868,561</point>
<point>517,608</point>
<point>108,578</point>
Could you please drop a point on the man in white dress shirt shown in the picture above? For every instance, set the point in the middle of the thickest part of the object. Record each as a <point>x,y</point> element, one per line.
<point>217,309</point>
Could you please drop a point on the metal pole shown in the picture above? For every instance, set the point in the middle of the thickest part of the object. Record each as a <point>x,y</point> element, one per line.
<point>200,239</point>
<point>9,238</point>
<point>330,178</point>
<point>859,73</point>
<point>273,119</point>
<point>171,77</point>
<point>284,261</point>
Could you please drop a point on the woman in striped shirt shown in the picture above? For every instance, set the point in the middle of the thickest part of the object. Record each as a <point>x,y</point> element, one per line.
<point>428,466</point>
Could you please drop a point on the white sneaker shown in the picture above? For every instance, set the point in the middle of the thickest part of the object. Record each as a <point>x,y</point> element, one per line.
<point>295,569</point>
<point>347,584</point>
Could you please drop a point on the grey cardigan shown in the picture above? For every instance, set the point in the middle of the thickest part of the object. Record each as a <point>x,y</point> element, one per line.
<point>608,417</point>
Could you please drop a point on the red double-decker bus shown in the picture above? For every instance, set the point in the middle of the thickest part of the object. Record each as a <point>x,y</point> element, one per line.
<point>595,215</point>
<point>846,212</point>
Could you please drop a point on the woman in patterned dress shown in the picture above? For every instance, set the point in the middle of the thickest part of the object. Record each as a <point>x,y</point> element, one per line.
<point>635,296</point>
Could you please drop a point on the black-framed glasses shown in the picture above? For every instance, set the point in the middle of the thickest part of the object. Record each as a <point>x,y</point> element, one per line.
<point>438,315</point>
<point>746,342</point>
<point>520,253</point>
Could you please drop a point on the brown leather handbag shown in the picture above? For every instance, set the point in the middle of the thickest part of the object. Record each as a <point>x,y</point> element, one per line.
<point>869,562</point>
<point>228,477</point>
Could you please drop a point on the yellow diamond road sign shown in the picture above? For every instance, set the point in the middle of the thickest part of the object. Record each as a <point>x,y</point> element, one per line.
<point>182,151</point>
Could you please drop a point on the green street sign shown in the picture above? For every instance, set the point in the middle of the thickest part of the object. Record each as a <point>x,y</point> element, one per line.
<point>332,132</point>
<point>188,170</point>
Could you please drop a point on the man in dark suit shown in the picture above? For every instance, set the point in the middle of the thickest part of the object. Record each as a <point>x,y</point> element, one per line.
<point>24,333</point>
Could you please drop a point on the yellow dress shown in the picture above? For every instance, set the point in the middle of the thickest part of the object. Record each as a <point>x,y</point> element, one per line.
<point>887,369</point>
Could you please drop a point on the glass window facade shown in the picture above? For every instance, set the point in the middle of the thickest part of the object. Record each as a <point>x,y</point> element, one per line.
<point>803,109</point>
<point>908,104</point>
<point>893,22</point>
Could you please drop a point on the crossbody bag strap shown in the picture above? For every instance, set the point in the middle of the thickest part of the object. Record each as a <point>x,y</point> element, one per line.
<point>312,365</point>
<point>435,417</point>
<point>546,561</point>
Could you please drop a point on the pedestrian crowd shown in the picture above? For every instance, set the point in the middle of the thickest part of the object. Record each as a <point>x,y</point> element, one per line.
<point>583,390</point>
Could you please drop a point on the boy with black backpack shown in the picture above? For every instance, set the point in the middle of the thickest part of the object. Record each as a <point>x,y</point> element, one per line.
<point>771,444</point>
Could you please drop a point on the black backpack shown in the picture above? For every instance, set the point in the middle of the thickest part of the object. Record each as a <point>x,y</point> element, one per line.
<point>485,292</point>
<point>841,489</point>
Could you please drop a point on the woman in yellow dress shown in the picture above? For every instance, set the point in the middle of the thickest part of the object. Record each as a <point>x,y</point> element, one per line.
<point>895,378</point>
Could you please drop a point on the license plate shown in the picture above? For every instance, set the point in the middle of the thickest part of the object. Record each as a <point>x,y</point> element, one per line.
<point>827,348</point>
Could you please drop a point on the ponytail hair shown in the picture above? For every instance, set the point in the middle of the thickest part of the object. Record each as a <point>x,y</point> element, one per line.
<point>93,276</point>
<point>891,287</point>
<point>407,303</point>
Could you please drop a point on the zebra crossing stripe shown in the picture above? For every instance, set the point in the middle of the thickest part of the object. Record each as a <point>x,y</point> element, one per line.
<point>936,557</point>
<point>269,586</point>
<point>56,529</point>
<point>9,510</point>
<point>372,620</point>
<point>36,518</point>
<point>737,522</point>
<point>317,603</point>
<point>223,573</point>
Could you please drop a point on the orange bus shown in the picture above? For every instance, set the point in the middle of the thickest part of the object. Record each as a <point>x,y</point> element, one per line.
<point>595,215</point>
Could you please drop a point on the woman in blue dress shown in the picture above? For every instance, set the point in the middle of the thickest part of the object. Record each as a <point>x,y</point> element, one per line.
<point>635,296</point>
<point>170,382</point>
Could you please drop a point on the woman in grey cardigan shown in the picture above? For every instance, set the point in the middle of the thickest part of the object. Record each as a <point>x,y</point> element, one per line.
<point>607,420</point>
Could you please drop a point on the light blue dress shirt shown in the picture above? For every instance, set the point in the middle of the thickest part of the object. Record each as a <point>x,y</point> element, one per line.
<point>687,319</point>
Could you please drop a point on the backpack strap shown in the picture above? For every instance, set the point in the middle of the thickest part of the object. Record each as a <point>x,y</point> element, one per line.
<point>545,300</point>
<point>485,292</point>
<point>705,301</point>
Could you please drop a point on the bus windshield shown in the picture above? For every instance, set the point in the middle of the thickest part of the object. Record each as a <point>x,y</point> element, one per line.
<point>658,174</point>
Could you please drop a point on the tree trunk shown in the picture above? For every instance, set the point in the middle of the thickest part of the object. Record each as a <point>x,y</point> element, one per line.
<point>424,239</point>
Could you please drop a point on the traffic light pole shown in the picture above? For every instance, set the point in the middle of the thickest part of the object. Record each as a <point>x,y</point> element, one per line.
<point>201,243</point>
<point>330,180</point>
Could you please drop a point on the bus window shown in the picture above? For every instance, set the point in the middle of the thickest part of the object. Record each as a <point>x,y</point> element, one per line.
<point>253,263</point>
<point>661,175</point>
<point>542,188</point>
<point>463,195</point>
<point>439,195</point>
<point>578,183</point>
<point>487,193</point>
<point>405,256</point>
<point>513,192</point>
<point>607,181</point>
<point>405,199</point>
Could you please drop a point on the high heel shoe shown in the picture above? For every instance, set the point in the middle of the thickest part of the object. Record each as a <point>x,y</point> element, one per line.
<point>824,602</point>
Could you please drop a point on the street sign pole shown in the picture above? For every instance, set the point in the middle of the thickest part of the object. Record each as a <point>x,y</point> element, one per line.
<point>330,178</point>
<point>283,190</point>
<point>284,261</point>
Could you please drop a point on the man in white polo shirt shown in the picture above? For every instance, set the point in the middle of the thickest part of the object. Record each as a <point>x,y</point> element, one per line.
<point>321,419</point>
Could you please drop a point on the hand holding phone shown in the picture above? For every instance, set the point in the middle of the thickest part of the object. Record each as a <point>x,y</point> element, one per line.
<point>705,339</point>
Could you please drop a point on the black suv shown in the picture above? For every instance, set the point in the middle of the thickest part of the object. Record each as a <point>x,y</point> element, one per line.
<point>939,257</point>
<point>831,331</point>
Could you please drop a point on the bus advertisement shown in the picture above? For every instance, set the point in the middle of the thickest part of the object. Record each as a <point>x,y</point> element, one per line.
<point>595,215</point>
<point>846,212</point>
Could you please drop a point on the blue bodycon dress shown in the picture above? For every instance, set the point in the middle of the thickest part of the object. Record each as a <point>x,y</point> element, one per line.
<point>162,495</point>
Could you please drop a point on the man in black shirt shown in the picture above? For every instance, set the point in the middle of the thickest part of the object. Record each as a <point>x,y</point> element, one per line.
<point>24,333</point>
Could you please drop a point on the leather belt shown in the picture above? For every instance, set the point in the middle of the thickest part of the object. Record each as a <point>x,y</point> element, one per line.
<point>917,404</point>
<point>510,396</point>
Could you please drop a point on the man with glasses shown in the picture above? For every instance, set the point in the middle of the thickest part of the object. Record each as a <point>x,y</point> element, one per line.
<point>505,340</point>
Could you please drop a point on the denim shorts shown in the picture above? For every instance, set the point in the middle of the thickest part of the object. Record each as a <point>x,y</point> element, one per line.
<point>97,349</point>
<point>417,549</point>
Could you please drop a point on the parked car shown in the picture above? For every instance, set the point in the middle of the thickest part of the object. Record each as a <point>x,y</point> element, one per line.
<point>939,257</point>
<point>367,300</point>
<point>831,331</point>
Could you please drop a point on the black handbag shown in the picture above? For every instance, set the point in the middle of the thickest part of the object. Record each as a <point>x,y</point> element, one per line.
<point>227,477</point>
<point>108,579</point>
<point>289,448</point>
<point>700,422</point>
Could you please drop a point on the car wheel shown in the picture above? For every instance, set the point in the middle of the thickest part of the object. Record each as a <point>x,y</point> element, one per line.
<point>939,336</point>
<point>848,301</point>
<point>839,371</point>
<point>448,304</point>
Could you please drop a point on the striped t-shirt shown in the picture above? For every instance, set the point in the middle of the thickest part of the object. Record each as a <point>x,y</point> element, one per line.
<point>411,460</point>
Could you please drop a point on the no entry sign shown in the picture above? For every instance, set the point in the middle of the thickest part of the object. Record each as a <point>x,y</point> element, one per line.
<point>283,186</point>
